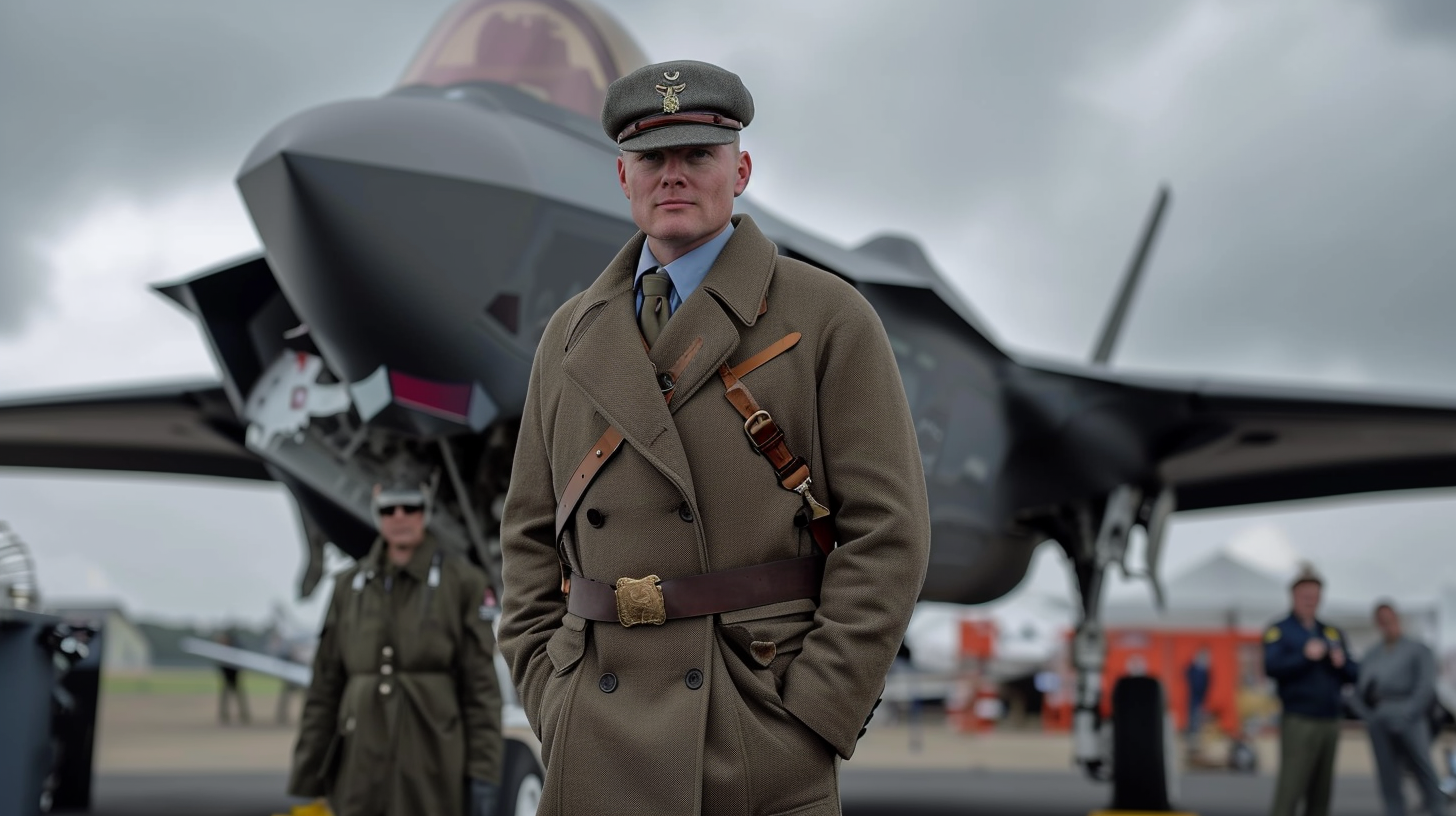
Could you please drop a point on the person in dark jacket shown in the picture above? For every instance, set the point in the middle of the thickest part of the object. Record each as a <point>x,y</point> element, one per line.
<point>231,685</point>
<point>1310,661</point>
<point>1197,677</point>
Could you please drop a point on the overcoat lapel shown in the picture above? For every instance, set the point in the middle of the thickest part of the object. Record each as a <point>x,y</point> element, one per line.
<point>700,316</point>
<point>607,362</point>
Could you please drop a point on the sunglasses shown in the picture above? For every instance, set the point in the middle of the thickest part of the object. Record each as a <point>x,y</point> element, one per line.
<point>409,509</point>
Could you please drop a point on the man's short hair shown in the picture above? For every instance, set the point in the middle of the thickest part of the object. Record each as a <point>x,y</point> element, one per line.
<point>1385,604</point>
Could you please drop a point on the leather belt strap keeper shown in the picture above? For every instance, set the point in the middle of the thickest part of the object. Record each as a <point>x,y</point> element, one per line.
<point>710,593</point>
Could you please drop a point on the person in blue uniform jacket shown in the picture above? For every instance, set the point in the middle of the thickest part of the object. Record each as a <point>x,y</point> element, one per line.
<point>1310,661</point>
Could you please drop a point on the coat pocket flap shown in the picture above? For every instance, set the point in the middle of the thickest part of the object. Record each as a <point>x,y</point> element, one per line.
<point>567,645</point>
<point>761,640</point>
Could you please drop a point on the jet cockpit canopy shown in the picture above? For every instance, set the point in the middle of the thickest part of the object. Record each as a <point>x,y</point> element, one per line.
<point>565,52</point>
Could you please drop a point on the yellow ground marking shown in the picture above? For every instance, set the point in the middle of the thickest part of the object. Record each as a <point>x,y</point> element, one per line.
<point>317,807</point>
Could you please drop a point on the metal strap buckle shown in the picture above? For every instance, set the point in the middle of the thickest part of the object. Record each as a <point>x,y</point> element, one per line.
<point>754,418</point>
<point>816,510</point>
<point>639,600</point>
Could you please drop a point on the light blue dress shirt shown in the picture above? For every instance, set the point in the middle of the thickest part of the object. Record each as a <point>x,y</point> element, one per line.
<point>687,272</point>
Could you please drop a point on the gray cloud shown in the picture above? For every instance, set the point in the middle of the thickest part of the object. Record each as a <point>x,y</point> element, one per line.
<point>1306,143</point>
<point>136,97</point>
<point>1421,19</point>
<point>1023,143</point>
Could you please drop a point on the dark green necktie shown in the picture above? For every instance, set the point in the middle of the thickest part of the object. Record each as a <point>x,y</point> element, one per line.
<point>656,288</point>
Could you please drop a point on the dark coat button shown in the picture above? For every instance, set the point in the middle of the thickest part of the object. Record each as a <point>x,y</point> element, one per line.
<point>595,518</point>
<point>685,513</point>
<point>694,679</point>
<point>608,683</point>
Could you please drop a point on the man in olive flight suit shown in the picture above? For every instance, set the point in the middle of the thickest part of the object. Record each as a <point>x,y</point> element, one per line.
<point>403,715</point>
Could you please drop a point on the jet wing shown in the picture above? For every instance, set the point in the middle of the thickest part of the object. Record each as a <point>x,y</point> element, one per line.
<point>184,428</point>
<point>1223,444</point>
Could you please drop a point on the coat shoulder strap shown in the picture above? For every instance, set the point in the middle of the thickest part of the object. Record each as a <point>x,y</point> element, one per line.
<point>768,440</point>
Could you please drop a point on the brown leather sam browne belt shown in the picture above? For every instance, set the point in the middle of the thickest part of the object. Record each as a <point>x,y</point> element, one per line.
<point>647,600</point>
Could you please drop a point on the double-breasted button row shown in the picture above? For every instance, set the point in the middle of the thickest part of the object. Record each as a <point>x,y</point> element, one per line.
<point>597,518</point>
<point>693,680</point>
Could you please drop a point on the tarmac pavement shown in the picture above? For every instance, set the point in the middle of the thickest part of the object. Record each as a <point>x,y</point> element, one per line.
<point>865,792</point>
<point>165,755</point>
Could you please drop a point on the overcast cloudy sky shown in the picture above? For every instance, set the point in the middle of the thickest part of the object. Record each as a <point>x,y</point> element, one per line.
<point>1310,239</point>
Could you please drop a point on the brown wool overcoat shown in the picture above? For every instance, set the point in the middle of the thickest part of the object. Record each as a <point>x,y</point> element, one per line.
<point>401,740</point>
<point>687,495</point>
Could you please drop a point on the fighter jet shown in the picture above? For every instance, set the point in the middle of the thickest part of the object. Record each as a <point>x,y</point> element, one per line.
<point>415,244</point>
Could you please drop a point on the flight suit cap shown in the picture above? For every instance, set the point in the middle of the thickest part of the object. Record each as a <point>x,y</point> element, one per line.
<point>676,104</point>
<point>1307,575</point>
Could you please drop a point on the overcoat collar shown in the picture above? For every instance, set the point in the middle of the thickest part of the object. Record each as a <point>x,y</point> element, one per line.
<point>606,360</point>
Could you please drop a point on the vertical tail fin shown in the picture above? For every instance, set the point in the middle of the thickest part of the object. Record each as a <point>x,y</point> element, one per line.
<point>1113,327</point>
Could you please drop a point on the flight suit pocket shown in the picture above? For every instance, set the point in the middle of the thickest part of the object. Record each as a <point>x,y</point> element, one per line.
<point>768,638</point>
<point>347,772</point>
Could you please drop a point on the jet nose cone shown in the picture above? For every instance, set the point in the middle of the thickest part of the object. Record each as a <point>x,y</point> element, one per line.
<point>431,237</point>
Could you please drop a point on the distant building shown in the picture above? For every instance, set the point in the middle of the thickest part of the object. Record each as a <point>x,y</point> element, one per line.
<point>1226,592</point>
<point>124,647</point>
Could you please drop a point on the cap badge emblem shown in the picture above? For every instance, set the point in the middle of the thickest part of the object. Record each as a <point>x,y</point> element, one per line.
<point>670,102</point>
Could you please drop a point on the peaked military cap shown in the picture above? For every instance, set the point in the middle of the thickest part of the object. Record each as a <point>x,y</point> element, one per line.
<point>676,104</point>
<point>1307,575</point>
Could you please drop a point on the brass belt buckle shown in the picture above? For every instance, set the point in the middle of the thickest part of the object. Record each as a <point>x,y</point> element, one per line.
<point>639,600</point>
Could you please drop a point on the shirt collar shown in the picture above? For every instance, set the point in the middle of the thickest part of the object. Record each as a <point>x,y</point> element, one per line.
<point>687,272</point>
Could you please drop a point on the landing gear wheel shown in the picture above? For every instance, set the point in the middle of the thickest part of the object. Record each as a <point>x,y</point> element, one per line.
<point>1142,769</point>
<point>521,779</point>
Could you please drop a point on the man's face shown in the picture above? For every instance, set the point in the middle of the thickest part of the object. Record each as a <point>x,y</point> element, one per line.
<point>402,525</point>
<point>1388,622</point>
<point>683,196</point>
<point>1306,599</point>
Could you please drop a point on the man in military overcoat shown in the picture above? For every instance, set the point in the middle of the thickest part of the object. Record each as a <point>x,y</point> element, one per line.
<point>703,425</point>
<point>403,714</point>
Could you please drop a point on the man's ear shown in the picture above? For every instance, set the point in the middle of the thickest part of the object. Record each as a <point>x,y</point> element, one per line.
<point>745,170</point>
<point>622,176</point>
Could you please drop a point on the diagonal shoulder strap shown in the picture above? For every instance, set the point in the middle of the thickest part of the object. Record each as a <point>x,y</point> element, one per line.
<point>611,441</point>
<point>792,471</point>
